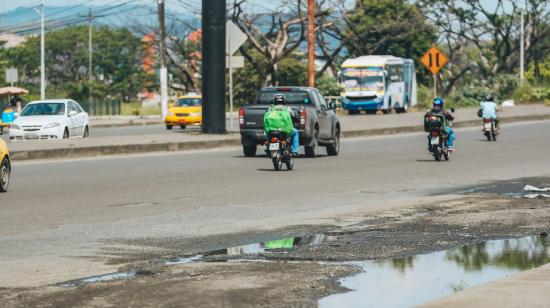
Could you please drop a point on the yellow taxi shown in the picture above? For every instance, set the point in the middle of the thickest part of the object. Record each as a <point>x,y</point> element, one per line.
<point>5,167</point>
<point>187,110</point>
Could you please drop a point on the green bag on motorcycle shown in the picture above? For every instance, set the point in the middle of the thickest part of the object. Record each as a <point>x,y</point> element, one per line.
<point>278,118</point>
<point>439,121</point>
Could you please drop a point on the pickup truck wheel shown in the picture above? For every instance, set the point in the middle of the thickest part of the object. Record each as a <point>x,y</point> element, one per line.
<point>169,127</point>
<point>334,149</point>
<point>311,151</point>
<point>249,150</point>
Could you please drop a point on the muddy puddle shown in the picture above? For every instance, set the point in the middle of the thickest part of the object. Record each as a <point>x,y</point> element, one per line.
<point>254,250</point>
<point>410,281</point>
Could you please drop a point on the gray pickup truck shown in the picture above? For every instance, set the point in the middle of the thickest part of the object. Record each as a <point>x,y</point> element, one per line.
<point>315,119</point>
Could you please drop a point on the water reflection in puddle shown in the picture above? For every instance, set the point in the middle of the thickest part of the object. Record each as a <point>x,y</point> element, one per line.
<point>99,278</point>
<point>410,281</point>
<point>256,248</point>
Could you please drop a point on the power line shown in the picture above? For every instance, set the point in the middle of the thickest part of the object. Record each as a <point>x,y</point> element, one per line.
<point>71,20</point>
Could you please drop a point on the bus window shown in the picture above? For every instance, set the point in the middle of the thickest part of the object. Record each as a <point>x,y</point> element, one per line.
<point>396,73</point>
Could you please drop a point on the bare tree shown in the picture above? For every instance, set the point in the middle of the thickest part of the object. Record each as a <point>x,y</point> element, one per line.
<point>276,34</point>
<point>183,53</point>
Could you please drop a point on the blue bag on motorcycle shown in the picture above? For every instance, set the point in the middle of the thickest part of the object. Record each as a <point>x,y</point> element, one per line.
<point>278,118</point>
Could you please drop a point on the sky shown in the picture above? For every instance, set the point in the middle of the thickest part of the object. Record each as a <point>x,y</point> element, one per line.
<point>7,5</point>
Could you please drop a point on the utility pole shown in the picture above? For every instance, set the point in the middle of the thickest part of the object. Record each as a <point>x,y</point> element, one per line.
<point>90,63</point>
<point>311,44</point>
<point>522,51</point>
<point>42,56</point>
<point>213,66</point>
<point>163,69</point>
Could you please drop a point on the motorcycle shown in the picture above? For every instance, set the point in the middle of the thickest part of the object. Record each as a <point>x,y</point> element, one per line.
<point>278,147</point>
<point>438,146</point>
<point>489,129</point>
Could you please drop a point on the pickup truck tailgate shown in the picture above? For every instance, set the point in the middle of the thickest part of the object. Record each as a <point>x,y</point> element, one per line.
<point>254,116</point>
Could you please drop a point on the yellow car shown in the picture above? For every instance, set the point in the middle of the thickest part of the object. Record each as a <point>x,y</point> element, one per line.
<point>187,110</point>
<point>5,167</point>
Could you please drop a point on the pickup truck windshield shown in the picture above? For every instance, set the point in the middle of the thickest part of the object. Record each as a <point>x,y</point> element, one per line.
<point>292,97</point>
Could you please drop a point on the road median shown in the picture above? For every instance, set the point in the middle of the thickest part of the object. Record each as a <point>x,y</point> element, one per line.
<point>117,145</point>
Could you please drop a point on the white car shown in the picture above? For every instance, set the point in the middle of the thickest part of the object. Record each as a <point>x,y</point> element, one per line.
<point>50,119</point>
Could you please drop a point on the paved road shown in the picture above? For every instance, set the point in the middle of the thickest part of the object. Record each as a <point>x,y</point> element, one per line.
<point>57,212</point>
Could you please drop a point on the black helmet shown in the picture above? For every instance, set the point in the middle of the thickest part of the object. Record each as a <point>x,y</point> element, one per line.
<point>279,99</point>
<point>489,97</point>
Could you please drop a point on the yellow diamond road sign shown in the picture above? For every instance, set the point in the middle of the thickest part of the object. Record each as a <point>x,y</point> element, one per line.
<point>434,60</point>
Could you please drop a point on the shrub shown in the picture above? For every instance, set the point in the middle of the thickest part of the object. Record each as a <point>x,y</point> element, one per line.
<point>424,97</point>
<point>531,94</point>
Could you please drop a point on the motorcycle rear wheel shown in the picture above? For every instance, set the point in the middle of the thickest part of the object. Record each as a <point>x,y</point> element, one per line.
<point>290,164</point>
<point>277,163</point>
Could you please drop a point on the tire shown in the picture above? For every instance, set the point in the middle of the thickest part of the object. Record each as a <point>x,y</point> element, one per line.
<point>488,135</point>
<point>1,130</point>
<point>353,112</point>
<point>183,126</point>
<point>386,111</point>
<point>333,150</point>
<point>249,150</point>
<point>290,164</point>
<point>86,132</point>
<point>169,127</point>
<point>277,163</point>
<point>311,151</point>
<point>5,171</point>
<point>436,153</point>
<point>66,133</point>
<point>446,156</point>
<point>402,110</point>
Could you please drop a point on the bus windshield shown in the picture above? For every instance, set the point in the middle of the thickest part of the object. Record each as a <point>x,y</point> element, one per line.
<point>363,79</point>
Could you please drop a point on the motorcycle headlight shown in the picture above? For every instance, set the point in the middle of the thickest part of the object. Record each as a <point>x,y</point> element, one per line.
<point>15,126</point>
<point>52,125</point>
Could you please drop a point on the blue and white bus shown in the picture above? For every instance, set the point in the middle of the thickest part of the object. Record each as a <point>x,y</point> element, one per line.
<point>373,83</point>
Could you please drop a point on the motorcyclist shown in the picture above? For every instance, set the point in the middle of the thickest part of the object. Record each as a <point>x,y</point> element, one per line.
<point>489,110</point>
<point>279,105</point>
<point>438,105</point>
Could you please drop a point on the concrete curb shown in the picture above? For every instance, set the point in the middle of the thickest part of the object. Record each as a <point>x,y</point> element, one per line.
<point>416,129</point>
<point>129,123</point>
<point>122,149</point>
<point>211,144</point>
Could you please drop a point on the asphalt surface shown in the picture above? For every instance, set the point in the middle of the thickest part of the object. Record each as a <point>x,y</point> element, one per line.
<point>58,216</point>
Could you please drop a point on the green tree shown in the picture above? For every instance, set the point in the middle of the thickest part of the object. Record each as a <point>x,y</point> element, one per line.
<point>387,27</point>
<point>117,58</point>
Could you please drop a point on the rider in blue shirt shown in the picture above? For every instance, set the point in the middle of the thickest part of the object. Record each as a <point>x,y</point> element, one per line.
<point>489,109</point>
<point>438,105</point>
